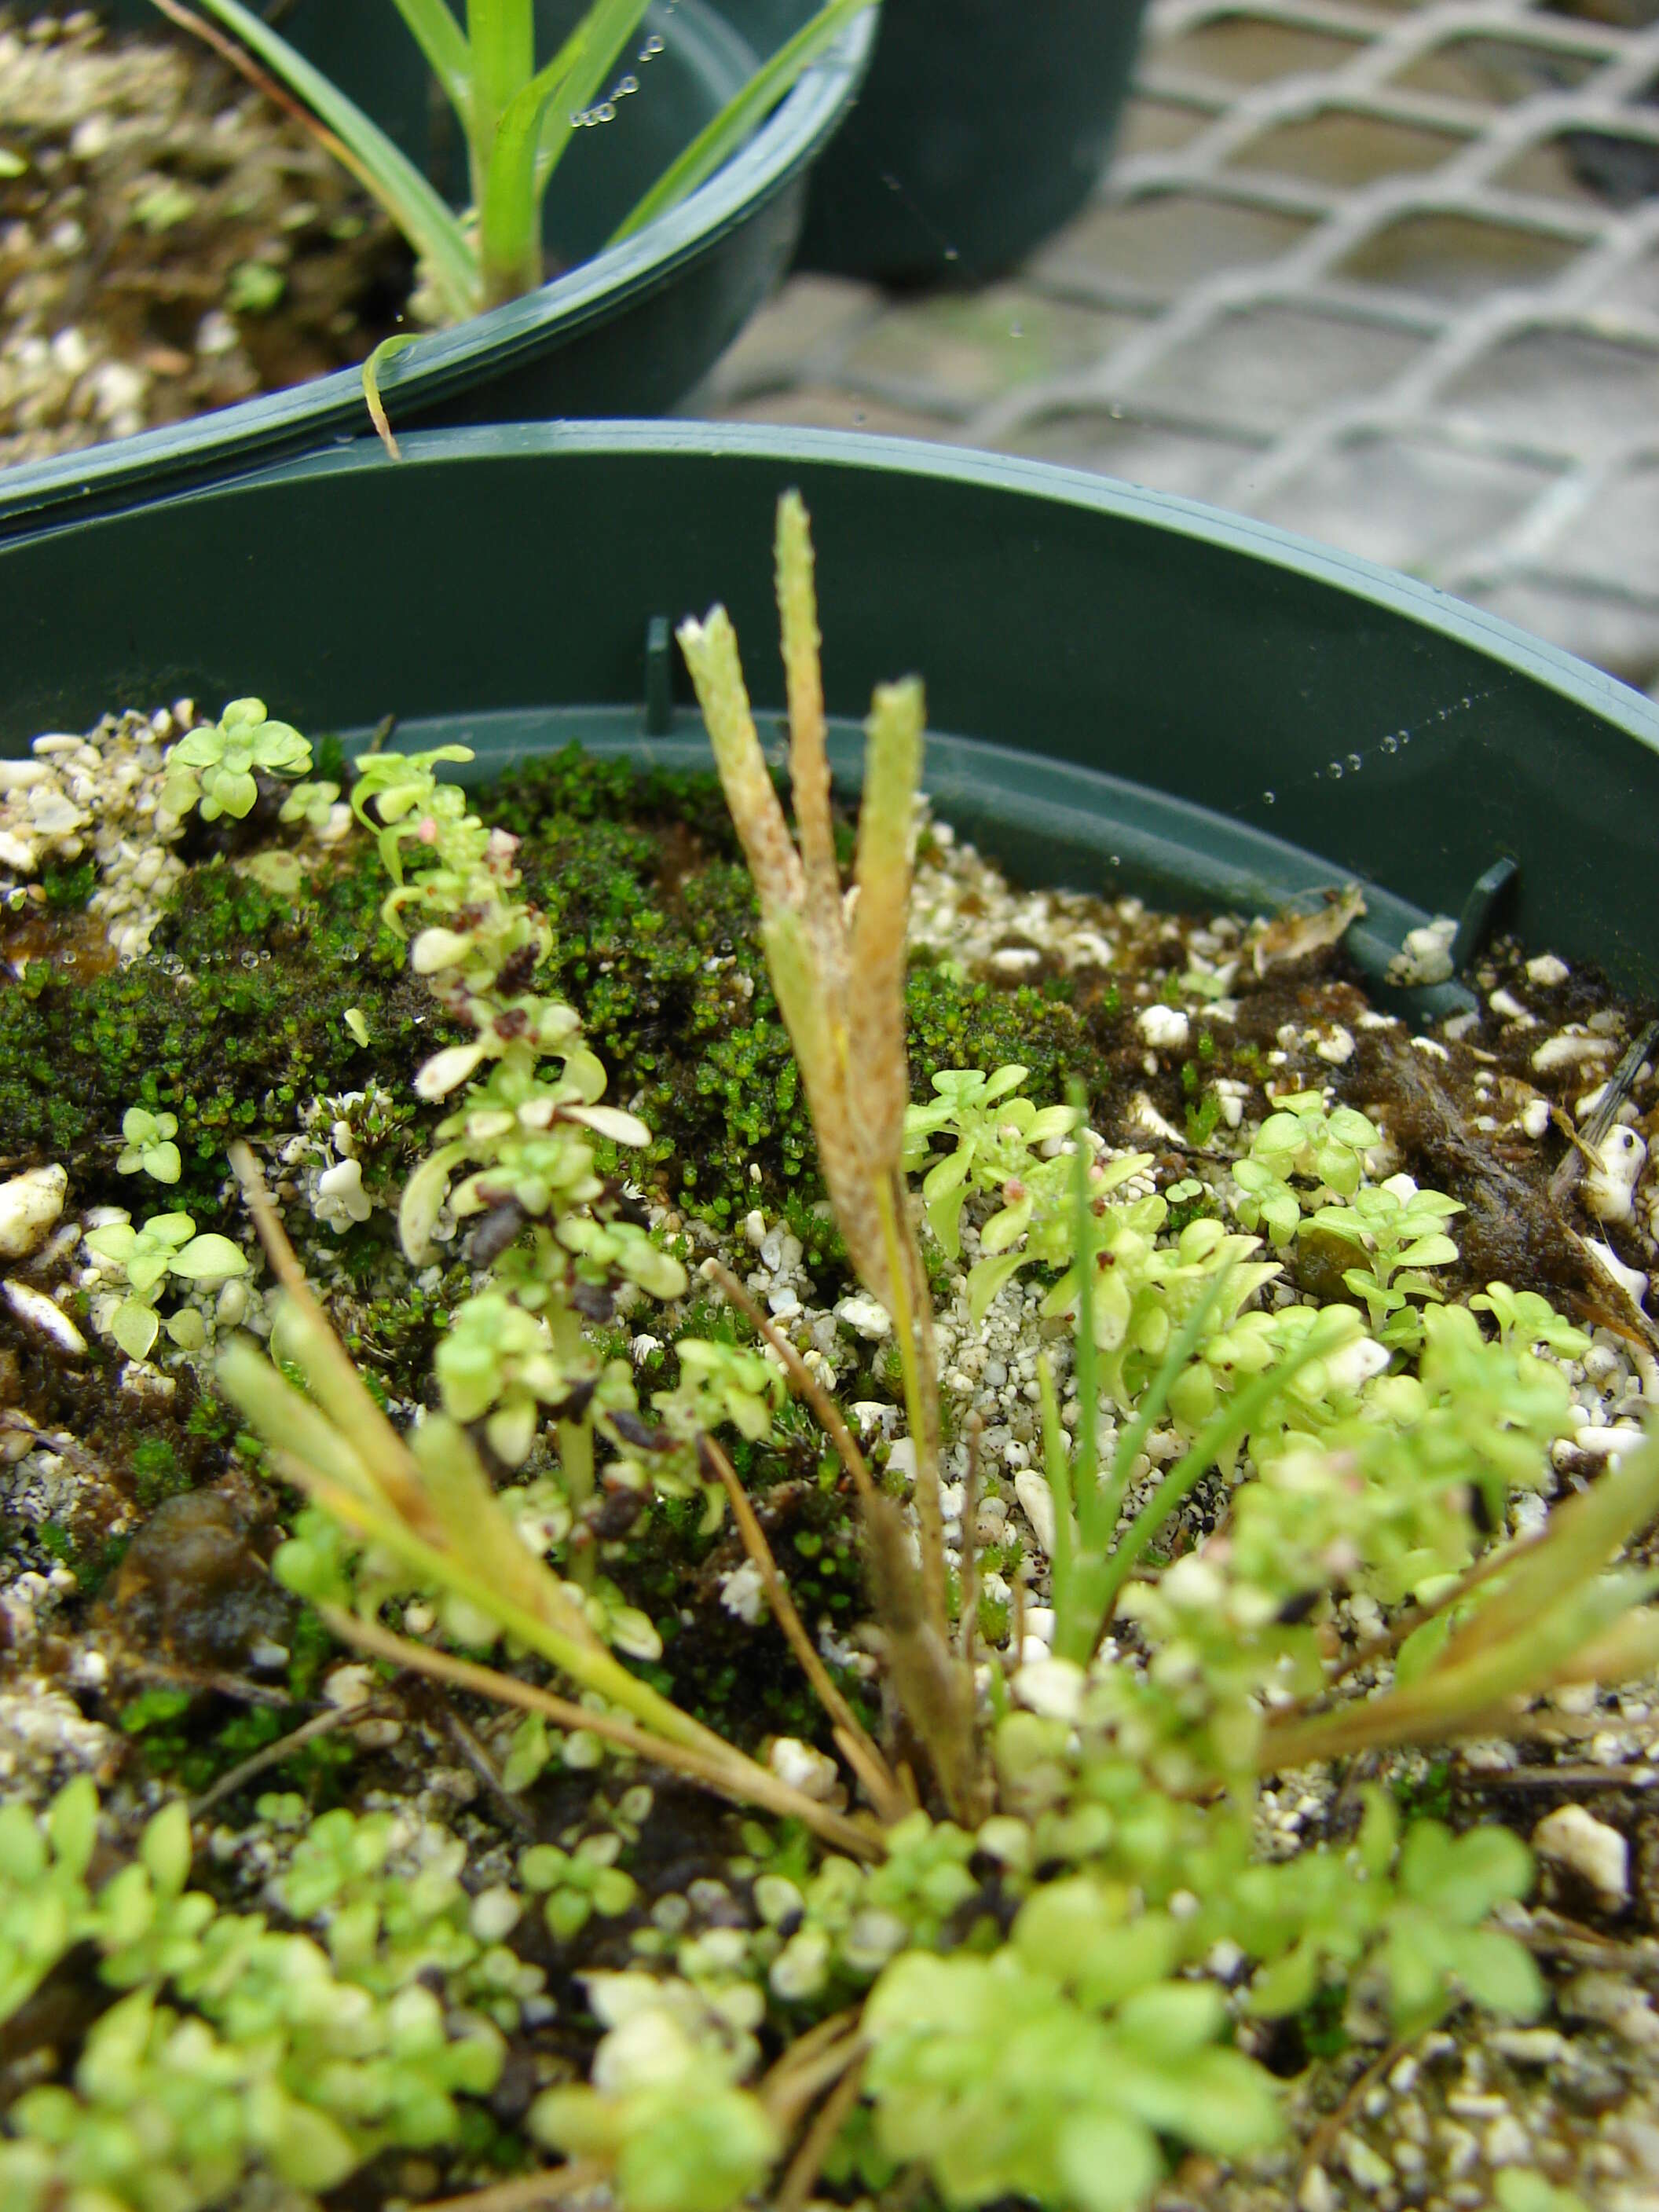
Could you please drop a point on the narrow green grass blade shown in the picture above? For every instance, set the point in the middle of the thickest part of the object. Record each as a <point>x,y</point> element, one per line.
<point>716,142</point>
<point>578,70</point>
<point>441,40</point>
<point>1228,1426</point>
<point>380,166</point>
<point>529,130</point>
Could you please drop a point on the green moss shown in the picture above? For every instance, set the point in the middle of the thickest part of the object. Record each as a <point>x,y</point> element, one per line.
<point>234,1019</point>
<point>1323,2034</point>
<point>156,1472</point>
<point>656,941</point>
<point>68,889</point>
<point>153,1708</point>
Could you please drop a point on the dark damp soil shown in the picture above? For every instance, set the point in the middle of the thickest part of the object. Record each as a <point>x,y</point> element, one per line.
<point>170,241</point>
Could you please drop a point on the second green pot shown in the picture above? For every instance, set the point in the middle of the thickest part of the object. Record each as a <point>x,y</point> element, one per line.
<point>982,126</point>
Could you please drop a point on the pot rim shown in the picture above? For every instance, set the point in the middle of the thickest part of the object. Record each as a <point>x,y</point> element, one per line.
<point>1605,695</point>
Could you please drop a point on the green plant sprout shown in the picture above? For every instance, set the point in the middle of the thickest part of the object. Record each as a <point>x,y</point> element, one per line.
<point>1402,1229</point>
<point>148,1147</point>
<point>1299,1138</point>
<point>574,1885</point>
<point>517,118</point>
<point>215,767</point>
<point>840,990</point>
<point>987,1956</point>
<point>166,1244</point>
<point>231,2046</point>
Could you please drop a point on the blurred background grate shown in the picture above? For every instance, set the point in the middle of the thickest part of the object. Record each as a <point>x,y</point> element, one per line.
<point>1386,275</point>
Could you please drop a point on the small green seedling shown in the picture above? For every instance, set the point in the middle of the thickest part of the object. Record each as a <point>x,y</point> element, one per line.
<point>166,1244</point>
<point>217,768</point>
<point>149,1148</point>
<point>1325,1152</point>
<point>1402,1230</point>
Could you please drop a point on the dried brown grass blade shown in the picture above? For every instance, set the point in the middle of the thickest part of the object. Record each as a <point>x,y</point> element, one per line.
<point>862,1754</point>
<point>800,1376</point>
<point>740,1779</point>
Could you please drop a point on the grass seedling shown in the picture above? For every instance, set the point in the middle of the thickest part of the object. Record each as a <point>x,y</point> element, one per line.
<point>840,986</point>
<point>427,1503</point>
<point>1092,1562</point>
<point>518,119</point>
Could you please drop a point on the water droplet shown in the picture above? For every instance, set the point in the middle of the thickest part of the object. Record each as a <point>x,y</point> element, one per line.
<point>1390,745</point>
<point>1016,330</point>
<point>624,86</point>
<point>1355,762</point>
<point>1266,798</point>
<point>950,254</point>
<point>605,112</point>
<point>250,960</point>
<point>1333,770</point>
<point>651,48</point>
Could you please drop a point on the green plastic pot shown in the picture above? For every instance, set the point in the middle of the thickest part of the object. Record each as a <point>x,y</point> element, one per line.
<point>982,126</point>
<point>626,331</point>
<point>1129,692</point>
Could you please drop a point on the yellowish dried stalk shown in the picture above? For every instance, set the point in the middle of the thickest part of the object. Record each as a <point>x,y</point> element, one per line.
<point>840,993</point>
<point>837,968</point>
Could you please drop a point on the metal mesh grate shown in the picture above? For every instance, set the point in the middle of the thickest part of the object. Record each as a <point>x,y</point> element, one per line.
<point>1385,274</point>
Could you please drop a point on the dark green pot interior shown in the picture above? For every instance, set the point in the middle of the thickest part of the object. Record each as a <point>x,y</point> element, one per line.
<point>1129,692</point>
<point>982,126</point>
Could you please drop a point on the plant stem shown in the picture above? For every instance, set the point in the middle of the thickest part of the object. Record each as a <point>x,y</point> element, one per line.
<point>576,1443</point>
<point>800,1376</point>
<point>502,36</point>
<point>922,1413</point>
<point>1068,1633</point>
<point>723,1769</point>
<point>862,1755</point>
<point>1229,1424</point>
<point>1087,1463</point>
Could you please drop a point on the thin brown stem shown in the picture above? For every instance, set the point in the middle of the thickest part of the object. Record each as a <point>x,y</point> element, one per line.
<point>800,2176</point>
<point>788,2088</point>
<point>205,1678</point>
<point>802,1380</point>
<point>968,1611</point>
<point>478,1759</point>
<point>862,1755</point>
<point>741,1780</point>
<point>1577,1776</point>
<point>273,1754</point>
<point>1384,1646</point>
<point>237,55</point>
<point>921,1397</point>
<point>528,2190</point>
<point>1325,2135</point>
